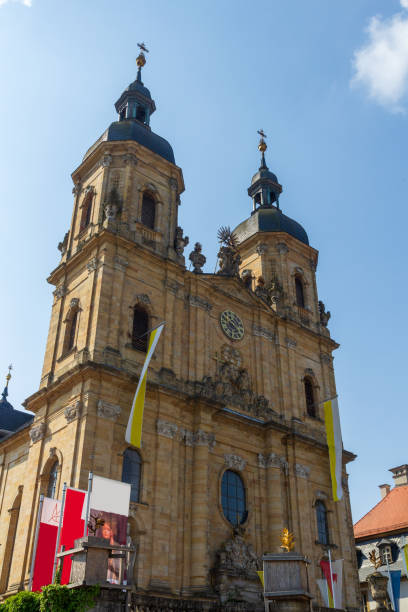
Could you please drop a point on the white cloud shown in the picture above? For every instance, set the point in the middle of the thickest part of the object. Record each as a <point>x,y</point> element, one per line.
<point>30,2</point>
<point>381,65</point>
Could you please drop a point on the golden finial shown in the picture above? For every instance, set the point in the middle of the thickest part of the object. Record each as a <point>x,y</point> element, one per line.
<point>262,144</point>
<point>374,560</point>
<point>9,374</point>
<point>287,540</point>
<point>141,59</point>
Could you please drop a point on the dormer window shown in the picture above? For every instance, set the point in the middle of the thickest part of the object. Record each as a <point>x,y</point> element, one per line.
<point>385,548</point>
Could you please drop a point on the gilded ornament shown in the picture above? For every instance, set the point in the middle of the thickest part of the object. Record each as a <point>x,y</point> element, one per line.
<point>287,540</point>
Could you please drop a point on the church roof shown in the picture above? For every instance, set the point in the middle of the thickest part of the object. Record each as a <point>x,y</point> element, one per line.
<point>133,130</point>
<point>390,514</point>
<point>11,419</point>
<point>270,219</point>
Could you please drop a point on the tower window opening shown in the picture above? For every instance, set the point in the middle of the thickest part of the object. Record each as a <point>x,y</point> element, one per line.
<point>148,211</point>
<point>131,472</point>
<point>300,296</point>
<point>309,397</point>
<point>122,114</point>
<point>257,199</point>
<point>140,326</point>
<point>233,498</point>
<point>141,114</point>
<point>322,525</point>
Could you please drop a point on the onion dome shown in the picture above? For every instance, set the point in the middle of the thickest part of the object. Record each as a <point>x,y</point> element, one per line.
<point>266,215</point>
<point>134,107</point>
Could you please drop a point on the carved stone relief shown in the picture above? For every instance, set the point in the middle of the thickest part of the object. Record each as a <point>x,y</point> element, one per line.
<point>235,462</point>
<point>37,432</point>
<point>302,470</point>
<point>60,291</point>
<point>262,248</point>
<point>200,302</point>
<point>272,460</point>
<point>263,332</point>
<point>107,410</point>
<point>106,160</point>
<point>72,411</point>
<point>120,263</point>
<point>198,438</point>
<point>92,265</point>
<point>290,343</point>
<point>129,159</point>
<point>282,248</point>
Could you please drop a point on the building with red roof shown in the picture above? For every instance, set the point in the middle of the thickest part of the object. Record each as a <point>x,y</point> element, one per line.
<point>384,530</point>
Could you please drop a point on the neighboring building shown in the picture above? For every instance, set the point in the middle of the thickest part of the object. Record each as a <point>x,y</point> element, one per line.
<point>384,529</point>
<point>234,444</point>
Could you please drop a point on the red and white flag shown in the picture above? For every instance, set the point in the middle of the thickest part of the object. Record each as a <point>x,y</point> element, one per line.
<point>72,527</point>
<point>47,540</point>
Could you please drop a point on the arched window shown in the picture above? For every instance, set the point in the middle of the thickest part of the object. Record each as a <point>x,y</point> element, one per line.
<point>52,480</point>
<point>148,210</point>
<point>309,397</point>
<point>131,472</point>
<point>233,498</point>
<point>322,526</point>
<point>300,296</point>
<point>257,198</point>
<point>72,329</point>
<point>140,326</point>
<point>86,210</point>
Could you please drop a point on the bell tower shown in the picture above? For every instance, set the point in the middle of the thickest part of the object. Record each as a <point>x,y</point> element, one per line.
<point>126,197</point>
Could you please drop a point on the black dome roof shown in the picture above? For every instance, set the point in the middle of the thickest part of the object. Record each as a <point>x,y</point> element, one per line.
<point>134,130</point>
<point>270,219</point>
<point>11,419</point>
<point>264,173</point>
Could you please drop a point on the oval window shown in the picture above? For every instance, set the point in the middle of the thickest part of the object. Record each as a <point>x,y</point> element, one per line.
<point>233,498</point>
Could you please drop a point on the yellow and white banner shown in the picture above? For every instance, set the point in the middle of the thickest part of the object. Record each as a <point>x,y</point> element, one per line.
<point>261,578</point>
<point>405,557</point>
<point>133,433</point>
<point>335,444</point>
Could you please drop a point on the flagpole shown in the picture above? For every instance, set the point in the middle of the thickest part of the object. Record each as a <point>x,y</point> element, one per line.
<point>37,529</point>
<point>149,331</point>
<point>90,477</point>
<point>64,489</point>
<point>391,587</point>
<point>331,578</point>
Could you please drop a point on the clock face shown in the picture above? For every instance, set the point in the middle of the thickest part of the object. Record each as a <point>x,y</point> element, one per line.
<point>232,325</point>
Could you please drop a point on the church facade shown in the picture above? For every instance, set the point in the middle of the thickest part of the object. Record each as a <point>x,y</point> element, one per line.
<point>233,446</point>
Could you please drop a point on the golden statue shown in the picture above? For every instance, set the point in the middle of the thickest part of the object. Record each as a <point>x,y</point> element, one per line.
<point>374,560</point>
<point>287,540</point>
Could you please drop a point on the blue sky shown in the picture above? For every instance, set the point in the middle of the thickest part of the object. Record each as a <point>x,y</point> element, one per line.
<point>326,79</point>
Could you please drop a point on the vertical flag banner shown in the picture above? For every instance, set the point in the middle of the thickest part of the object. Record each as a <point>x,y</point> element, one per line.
<point>405,558</point>
<point>72,527</point>
<point>47,540</point>
<point>331,584</point>
<point>134,427</point>
<point>393,587</point>
<point>261,578</point>
<point>337,569</point>
<point>322,584</point>
<point>335,444</point>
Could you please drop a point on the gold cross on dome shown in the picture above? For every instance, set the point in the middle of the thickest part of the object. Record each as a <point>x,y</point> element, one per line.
<point>262,134</point>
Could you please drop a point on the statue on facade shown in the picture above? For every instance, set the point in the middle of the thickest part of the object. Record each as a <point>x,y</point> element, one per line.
<point>228,257</point>
<point>260,289</point>
<point>275,290</point>
<point>324,316</point>
<point>62,246</point>
<point>112,205</point>
<point>197,258</point>
<point>247,278</point>
<point>180,241</point>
